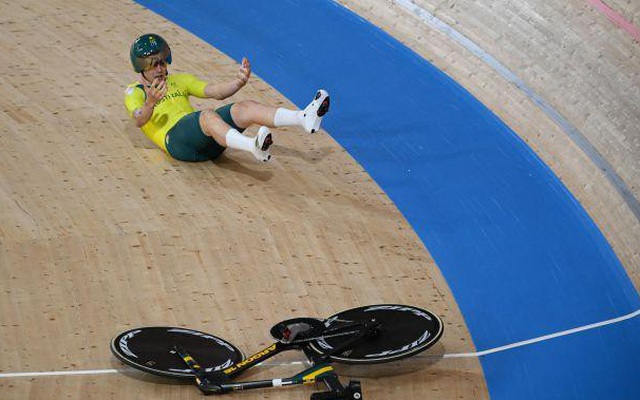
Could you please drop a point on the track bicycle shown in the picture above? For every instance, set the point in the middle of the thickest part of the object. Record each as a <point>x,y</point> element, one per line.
<point>364,335</point>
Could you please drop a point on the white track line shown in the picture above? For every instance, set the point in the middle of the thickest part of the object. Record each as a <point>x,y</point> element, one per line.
<point>58,373</point>
<point>105,371</point>
<point>545,337</point>
<point>452,355</point>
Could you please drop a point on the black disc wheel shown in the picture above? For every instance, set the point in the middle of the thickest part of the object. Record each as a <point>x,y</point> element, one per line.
<point>402,331</point>
<point>150,349</point>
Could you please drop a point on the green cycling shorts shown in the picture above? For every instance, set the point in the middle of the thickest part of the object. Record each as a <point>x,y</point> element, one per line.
<point>187,142</point>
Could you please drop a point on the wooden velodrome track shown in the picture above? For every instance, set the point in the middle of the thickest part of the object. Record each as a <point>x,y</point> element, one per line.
<point>100,231</point>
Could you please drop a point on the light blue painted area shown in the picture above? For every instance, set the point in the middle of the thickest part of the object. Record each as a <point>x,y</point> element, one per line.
<point>521,256</point>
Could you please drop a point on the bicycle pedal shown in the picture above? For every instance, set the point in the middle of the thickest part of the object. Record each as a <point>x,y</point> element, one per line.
<point>353,391</point>
<point>336,396</point>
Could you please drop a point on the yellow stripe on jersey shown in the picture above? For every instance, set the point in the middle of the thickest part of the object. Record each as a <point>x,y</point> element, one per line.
<point>168,111</point>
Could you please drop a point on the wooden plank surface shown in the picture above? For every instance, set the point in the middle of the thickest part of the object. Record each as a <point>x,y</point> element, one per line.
<point>101,232</point>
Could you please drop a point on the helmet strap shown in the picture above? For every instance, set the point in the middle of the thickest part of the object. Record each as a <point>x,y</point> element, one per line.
<point>144,77</point>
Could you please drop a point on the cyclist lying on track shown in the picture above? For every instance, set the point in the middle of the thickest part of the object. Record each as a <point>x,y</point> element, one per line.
<point>159,104</point>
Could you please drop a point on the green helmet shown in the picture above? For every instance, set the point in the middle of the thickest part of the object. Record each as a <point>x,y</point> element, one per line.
<point>146,49</point>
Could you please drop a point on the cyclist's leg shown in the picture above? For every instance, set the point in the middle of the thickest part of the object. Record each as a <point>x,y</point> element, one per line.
<point>247,112</point>
<point>187,142</point>
<point>220,126</point>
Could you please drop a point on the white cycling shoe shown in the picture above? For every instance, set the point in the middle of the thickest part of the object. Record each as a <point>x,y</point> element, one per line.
<point>263,141</point>
<point>313,113</point>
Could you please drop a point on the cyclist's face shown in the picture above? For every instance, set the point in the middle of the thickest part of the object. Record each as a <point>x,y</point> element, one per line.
<point>157,68</point>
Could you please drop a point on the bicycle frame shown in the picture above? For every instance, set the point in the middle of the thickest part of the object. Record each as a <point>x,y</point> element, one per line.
<point>219,382</point>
